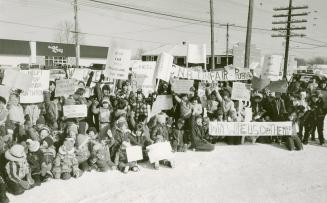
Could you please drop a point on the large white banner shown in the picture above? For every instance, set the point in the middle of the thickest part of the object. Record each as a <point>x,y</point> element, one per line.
<point>40,82</point>
<point>250,128</point>
<point>118,63</point>
<point>196,53</point>
<point>221,75</point>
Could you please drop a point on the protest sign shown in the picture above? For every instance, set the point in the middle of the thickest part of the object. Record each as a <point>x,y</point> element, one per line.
<point>220,75</point>
<point>134,153</point>
<point>182,86</point>
<point>40,82</point>
<point>144,74</point>
<point>75,111</point>
<point>250,128</point>
<point>196,53</point>
<point>163,102</point>
<point>164,66</point>
<point>278,86</point>
<point>118,62</point>
<point>65,87</point>
<point>241,91</point>
<point>17,80</point>
<point>160,151</point>
<point>248,114</point>
<point>4,92</point>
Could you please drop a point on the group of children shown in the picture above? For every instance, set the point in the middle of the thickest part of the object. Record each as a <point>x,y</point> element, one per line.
<point>38,143</point>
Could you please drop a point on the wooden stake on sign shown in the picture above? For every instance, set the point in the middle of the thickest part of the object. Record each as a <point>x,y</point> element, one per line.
<point>157,85</point>
<point>115,82</point>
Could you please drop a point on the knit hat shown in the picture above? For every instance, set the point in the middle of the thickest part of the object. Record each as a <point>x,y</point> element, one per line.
<point>82,140</point>
<point>16,153</point>
<point>105,100</point>
<point>92,129</point>
<point>33,146</point>
<point>48,140</point>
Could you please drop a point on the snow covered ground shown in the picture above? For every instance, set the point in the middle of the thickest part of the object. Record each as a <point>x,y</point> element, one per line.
<point>247,173</point>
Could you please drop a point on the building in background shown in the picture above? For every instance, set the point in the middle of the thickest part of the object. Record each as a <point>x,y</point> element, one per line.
<point>180,56</point>
<point>49,54</point>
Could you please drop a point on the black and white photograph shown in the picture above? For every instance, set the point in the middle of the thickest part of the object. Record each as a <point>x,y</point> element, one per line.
<point>163,101</point>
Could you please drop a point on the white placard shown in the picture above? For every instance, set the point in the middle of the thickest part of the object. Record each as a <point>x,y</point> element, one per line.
<point>134,153</point>
<point>40,82</point>
<point>241,91</point>
<point>118,63</point>
<point>75,111</point>
<point>160,151</point>
<point>196,53</point>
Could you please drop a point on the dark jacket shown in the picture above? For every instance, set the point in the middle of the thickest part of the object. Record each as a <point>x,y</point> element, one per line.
<point>35,160</point>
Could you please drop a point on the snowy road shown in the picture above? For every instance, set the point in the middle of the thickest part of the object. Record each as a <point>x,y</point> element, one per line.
<point>247,173</point>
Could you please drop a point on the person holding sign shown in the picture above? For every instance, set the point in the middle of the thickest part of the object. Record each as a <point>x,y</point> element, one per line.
<point>104,111</point>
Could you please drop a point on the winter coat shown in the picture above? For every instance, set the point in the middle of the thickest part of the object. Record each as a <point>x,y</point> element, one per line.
<point>17,171</point>
<point>278,110</point>
<point>49,154</point>
<point>35,160</point>
<point>82,153</point>
<point>34,112</point>
<point>317,108</point>
<point>16,114</point>
<point>198,133</point>
<point>100,156</point>
<point>177,137</point>
<point>160,130</point>
<point>65,162</point>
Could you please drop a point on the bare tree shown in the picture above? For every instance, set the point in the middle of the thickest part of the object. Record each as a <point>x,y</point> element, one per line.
<point>65,33</point>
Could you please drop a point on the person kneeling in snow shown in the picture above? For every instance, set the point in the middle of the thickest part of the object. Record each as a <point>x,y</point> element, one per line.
<point>160,133</point>
<point>49,154</point>
<point>121,159</point>
<point>17,170</point>
<point>100,158</point>
<point>293,141</point>
<point>177,137</point>
<point>65,163</point>
<point>34,159</point>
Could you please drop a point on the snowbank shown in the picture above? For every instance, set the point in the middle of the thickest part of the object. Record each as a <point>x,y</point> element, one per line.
<point>247,173</point>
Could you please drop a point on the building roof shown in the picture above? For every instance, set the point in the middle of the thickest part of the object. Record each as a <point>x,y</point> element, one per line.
<point>177,50</point>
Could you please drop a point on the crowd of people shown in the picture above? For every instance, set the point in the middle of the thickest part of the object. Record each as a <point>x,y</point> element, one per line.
<point>38,143</point>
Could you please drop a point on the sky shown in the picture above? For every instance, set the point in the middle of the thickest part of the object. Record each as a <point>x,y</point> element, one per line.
<point>105,25</point>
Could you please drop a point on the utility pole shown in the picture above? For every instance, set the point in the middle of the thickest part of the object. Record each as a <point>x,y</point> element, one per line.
<point>227,43</point>
<point>288,28</point>
<point>248,36</point>
<point>76,33</point>
<point>212,36</point>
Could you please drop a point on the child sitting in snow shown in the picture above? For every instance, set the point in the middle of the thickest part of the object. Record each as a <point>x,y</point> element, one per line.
<point>65,163</point>
<point>121,159</point>
<point>3,189</point>
<point>34,159</point>
<point>49,154</point>
<point>18,170</point>
<point>100,156</point>
<point>82,152</point>
<point>177,137</point>
<point>160,133</point>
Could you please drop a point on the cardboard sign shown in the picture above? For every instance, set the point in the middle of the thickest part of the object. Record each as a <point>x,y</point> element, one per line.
<point>134,153</point>
<point>118,63</point>
<point>250,128</point>
<point>196,53</point>
<point>4,92</point>
<point>17,80</point>
<point>163,69</point>
<point>221,75</point>
<point>160,151</point>
<point>241,91</point>
<point>163,102</point>
<point>65,87</point>
<point>182,86</point>
<point>144,74</point>
<point>40,82</point>
<point>75,111</point>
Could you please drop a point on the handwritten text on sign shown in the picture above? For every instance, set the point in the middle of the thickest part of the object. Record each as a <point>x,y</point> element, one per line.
<point>65,87</point>
<point>221,75</point>
<point>118,64</point>
<point>75,111</point>
<point>241,91</point>
<point>40,82</point>
<point>250,128</point>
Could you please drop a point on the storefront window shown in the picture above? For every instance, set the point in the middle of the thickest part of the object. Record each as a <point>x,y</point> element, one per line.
<point>55,60</point>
